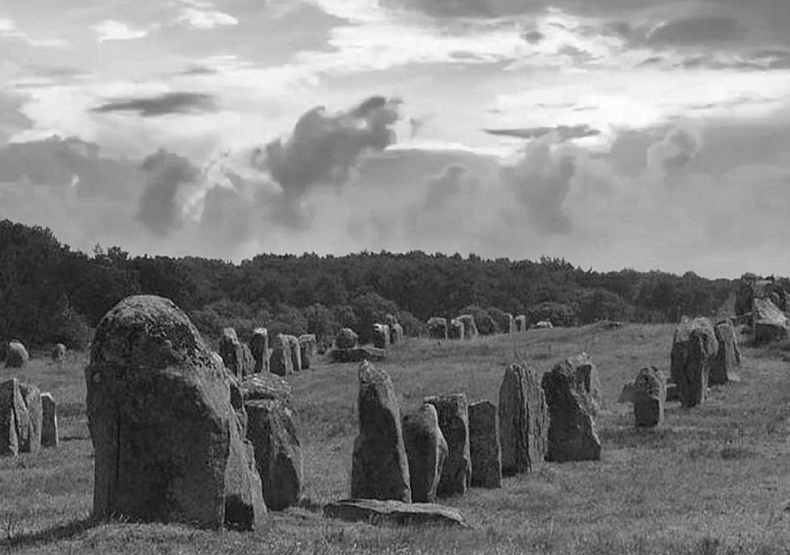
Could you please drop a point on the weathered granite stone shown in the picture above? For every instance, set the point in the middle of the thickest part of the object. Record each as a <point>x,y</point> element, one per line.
<point>650,393</point>
<point>296,352</point>
<point>346,339</point>
<point>266,386</point>
<point>523,420</point>
<point>380,468</point>
<point>768,322</point>
<point>453,412</point>
<point>308,348</point>
<point>31,395</point>
<point>236,355</point>
<point>259,349</point>
<point>381,336</point>
<point>437,328</point>
<point>470,327</point>
<point>693,347</point>
<point>16,355</point>
<point>14,420</point>
<point>484,445</point>
<point>394,513</point>
<point>426,450</point>
<point>281,361</point>
<point>725,365</point>
<point>49,421</point>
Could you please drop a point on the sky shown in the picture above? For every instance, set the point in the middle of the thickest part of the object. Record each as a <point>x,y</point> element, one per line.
<point>644,134</point>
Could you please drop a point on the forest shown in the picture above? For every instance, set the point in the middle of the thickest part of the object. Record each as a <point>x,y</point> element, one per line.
<point>50,293</point>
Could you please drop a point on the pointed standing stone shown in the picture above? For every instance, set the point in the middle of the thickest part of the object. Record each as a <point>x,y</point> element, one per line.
<point>484,445</point>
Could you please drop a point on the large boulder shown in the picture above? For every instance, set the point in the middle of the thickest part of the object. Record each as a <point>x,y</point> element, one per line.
<point>259,349</point>
<point>380,468</point>
<point>31,396</point>
<point>308,349</point>
<point>693,347</point>
<point>437,328</point>
<point>768,322</point>
<point>169,445</point>
<point>14,420</point>
<point>58,354</point>
<point>346,338</point>
<point>371,511</point>
<point>484,445</point>
<point>470,327</point>
<point>266,386</point>
<point>426,450</point>
<point>381,336</point>
<point>49,421</point>
<point>273,432</point>
<point>587,378</point>
<point>523,420</point>
<point>650,395</point>
<point>725,365</point>
<point>16,355</point>
<point>572,432</point>
<point>521,323</point>
<point>296,352</point>
<point>281,361</point>
<point>453,412</point>
<point>235,354</point>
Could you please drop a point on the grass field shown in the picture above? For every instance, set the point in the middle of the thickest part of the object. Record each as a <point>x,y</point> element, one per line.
<point>711,480</point>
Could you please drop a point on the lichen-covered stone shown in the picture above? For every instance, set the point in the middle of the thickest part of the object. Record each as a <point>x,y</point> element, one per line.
<point>236,355</point>
<point>31,396</point>
<point>426,450</point>
<point>484,445</point>
<point>453,412</point>
<point>281,361</point>
<point>14,421</point>
<point>266,386</point>
<point>650,393</point>
<point>726,363</point>
<point>49,421</point>
<point>259,349</point>
<point>523,420</point>
<point>693,347</point>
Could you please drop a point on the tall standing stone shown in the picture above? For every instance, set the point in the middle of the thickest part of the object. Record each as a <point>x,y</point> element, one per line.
<point>470,327</point>
<point>453,412</point>
<point>426,450</point>
<point>296,352</point>
<point>259,349</point>
<point>572,432</point>
<point>650,395</point>
<point>693,347</point>
<point>169,445</point>
<point>587,379</point>
<point>511,323</point>
<point>49,421</point>
<point>521,323</point>
<point>380,468</point>
<point>523,420</point>
<point>484,445</point>
<point>31,395</point>
<point>308,347</point>
<point>281,361</point>
<point>14,421</point>
<point>725,365</point>
<point>273,432</point>
<point>236,355</point>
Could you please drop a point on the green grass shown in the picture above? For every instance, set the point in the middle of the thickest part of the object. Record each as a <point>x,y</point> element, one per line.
<point>711,480</point>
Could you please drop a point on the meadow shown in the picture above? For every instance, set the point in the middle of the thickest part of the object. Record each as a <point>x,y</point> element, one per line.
<point>711,480</point>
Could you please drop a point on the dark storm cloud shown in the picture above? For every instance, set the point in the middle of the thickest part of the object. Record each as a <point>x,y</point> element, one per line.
<point>166,173</point>
<point>167,103</point>
<point>324,148</point>
<point>564,132</point>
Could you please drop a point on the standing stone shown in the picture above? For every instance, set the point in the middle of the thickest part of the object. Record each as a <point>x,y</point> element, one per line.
<point>523,420</point>
<point>650,395</point>
<point>278,454</point>
<point>727,361</point>
<point>16,355</point>
<point>31,395</point>
<point>14,421</point>
<point>453,414</point>
<point>587,378</point>
<point>470,327</point>
<point>521,323</point>
<point>58,354</point>
<point>396,330</point>
<point>768,322</point>
<point>455,329</point>
<point>346,338</point>
<point>296,352</point>
<point>572,434</point>
<point>380,468</point>
<point>484,445</point>
<point>168,443</point>
<point>266,386</point>
<point>381,336</point>
<point>511,323</point>
<point>49,421</point>
<point>693,347</point>
<point>259,349</point>
<point>281,361</point>
<point>308,349</point>
<point>236,355</point>
<point>437,328</point>
<point>426,450</point>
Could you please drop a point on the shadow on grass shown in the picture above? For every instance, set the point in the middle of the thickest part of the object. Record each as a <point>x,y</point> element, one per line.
<point>63,531</point>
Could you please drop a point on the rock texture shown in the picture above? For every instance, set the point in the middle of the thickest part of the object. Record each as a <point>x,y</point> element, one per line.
<point>484,445</point>
<point>296,352</point>
<point>437,328</point>
<point>281,361</point>
<point>587,378</point>
<point>768,322</point>
<point>693,347</point>
<point>650,394</point>
<point>308,348</point>
<point>168,443</point>
<point>426,450</point>
<point>523,420</point>
<point>272,429</point>
<point>572,432</point>
<point>14,420</point>
<point>380,468</point>
<point>49,421</point>
<point>31,396</point>
<point>470,327</point>
<point>259,349</point>
<point>16,355</point>
<point>394,513</point>
<point>266,386</point>
<point>381,336</point>
<point>726,364</point>
<point>236,355</point>
<point>453,412</point>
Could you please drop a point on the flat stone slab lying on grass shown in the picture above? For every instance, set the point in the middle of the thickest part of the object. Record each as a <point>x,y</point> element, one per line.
<point>394,512</point>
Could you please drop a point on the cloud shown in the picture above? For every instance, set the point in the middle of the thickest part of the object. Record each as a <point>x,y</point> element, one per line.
<point>160,207</point>
<point>202,15</point>
<point>701,29</point>
<point>167,103</point>
<point>563,132</point>
<point>673,154</point>
<point>111,29</point>
<point>8,29</point>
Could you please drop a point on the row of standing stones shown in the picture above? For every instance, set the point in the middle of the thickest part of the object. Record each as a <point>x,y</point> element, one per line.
<point>465,327</point>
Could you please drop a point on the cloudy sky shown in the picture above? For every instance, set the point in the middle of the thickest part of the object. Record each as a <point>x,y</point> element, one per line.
<point>649,134</point>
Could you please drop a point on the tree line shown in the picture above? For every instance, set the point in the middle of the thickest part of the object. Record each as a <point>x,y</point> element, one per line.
<point>50,293</point>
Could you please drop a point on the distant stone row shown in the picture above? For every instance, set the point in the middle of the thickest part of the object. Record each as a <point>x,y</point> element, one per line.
<point>465,327</point>
<point>28,419</point>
